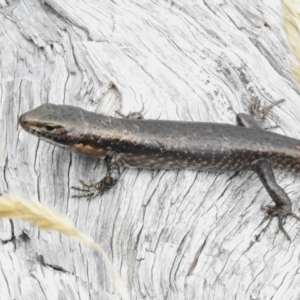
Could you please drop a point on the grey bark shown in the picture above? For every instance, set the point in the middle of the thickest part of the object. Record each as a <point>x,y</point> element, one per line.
<point>170,234</point>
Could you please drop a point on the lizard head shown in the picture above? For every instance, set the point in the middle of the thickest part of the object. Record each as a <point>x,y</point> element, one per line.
<point>57,124</point>
<point>71,128</point>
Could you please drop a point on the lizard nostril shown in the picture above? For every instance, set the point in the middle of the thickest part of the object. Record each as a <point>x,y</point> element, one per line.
<point>23,121</point>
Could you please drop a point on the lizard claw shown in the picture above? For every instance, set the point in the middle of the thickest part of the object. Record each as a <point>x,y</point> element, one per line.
<point>88,190</point>
<point>281,213</point>
<point>92,189</point>
<point>257,108</point>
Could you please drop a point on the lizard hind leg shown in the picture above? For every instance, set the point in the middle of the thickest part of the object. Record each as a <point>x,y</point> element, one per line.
<point>283,205</point>
<point>257,109</point>
<point>247,121</point>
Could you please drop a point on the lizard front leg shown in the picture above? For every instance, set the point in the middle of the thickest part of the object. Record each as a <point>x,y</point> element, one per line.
<point>92,188</point>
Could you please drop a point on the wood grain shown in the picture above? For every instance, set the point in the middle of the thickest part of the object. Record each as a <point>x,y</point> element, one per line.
<point>170,234</point>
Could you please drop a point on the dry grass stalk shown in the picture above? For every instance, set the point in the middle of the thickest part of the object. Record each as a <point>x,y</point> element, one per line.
<point>291,25</point>
<point>47,219</point>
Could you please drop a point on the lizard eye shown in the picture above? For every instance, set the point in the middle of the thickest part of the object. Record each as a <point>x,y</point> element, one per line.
<point>50,128</point>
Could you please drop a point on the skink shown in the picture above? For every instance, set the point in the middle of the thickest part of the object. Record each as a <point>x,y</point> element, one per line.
<point>158,144</point>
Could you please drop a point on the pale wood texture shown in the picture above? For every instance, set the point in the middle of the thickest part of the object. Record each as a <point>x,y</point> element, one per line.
<point>170,234</point>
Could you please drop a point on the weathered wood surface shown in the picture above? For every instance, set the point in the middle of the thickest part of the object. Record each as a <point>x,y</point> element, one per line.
<point>170,234</point>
